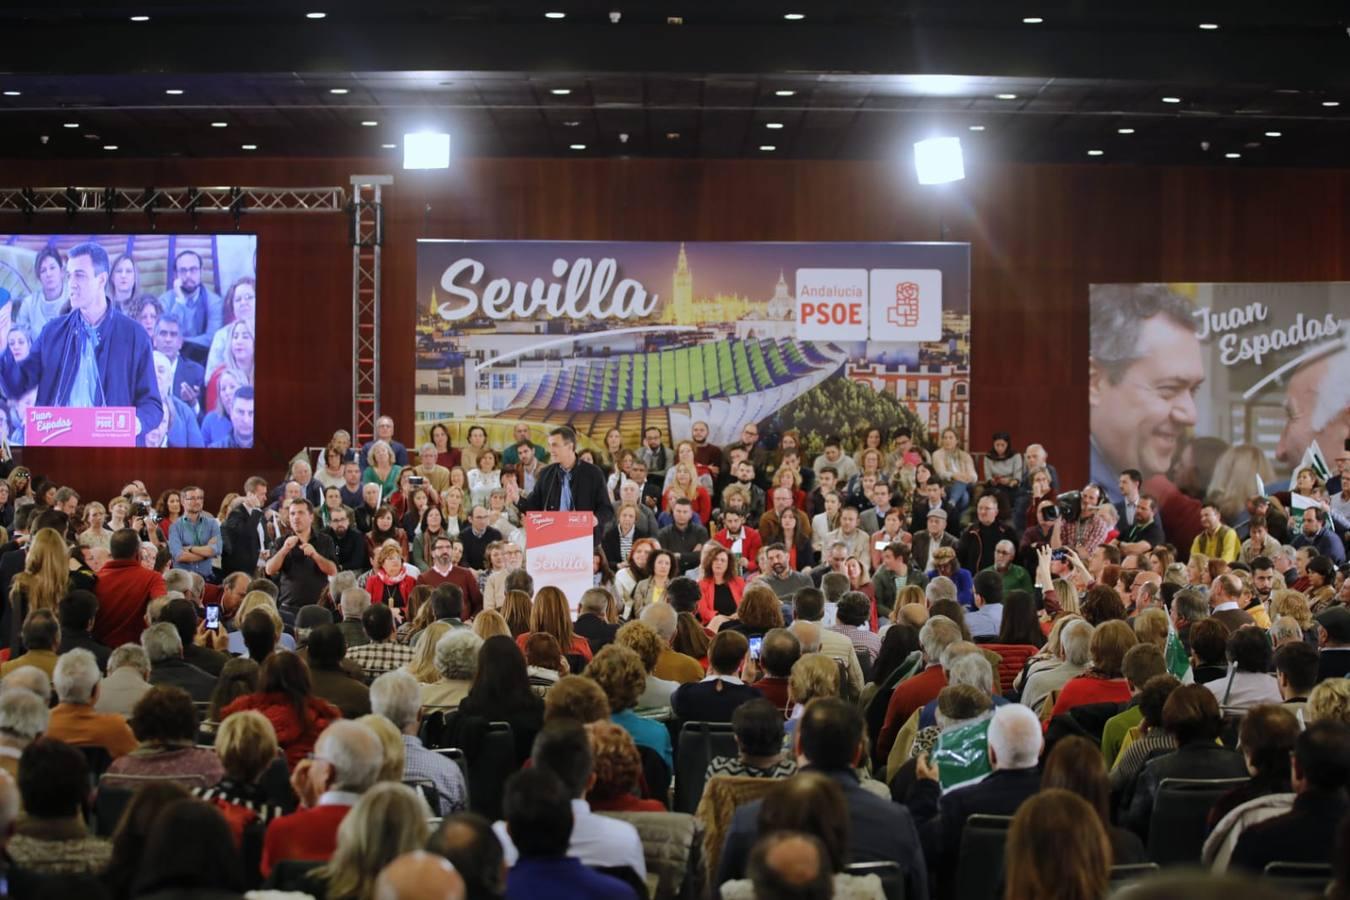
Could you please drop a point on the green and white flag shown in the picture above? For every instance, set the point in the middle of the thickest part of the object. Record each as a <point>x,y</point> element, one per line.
<point>1313,459</point>
<point>1178,660</point>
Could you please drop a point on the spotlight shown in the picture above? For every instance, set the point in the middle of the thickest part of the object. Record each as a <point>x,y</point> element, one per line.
<point>939,160</point>
<point>426,150</point>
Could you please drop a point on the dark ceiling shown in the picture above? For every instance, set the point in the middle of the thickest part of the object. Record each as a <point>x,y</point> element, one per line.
<point>853,79</point>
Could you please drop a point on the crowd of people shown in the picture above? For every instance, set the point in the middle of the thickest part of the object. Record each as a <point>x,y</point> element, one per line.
<point>299,691</point>
<point>191,377</point>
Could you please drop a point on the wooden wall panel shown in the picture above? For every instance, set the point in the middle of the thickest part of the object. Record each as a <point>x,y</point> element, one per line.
<point>1040,235</point>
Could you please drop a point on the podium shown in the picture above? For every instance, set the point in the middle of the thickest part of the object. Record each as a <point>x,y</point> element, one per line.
<point>559,552</point>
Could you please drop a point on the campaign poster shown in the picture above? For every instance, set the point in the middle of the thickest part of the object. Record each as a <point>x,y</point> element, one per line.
<point>128,340</point>
<point>1223,388</point>
<point>823,338</point>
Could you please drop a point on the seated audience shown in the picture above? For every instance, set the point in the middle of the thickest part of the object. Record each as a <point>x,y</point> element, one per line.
<point>1080,867</point>
<point>127,681</point>
<point>164,649</point>
<point>1104,681</point>
<point>396,697</point>
<point>326,651</point>
<point>165,722</point>
<point>647,644</point>
<point>758,728</point>
<point>73,719</point>
<point>42,638</point>
<point>1075,765</point>
<point>51,838</point>
<point>501,693</point>
<point>620,674</point>
<point>23,719</point>
<point>189,854</point>
<point>386,822</point>
<point>618,771</point>
<point>380,653</point>
<point>247,748</point>
<point>662,618</point>
<point>76,613</point>
<point>285,695</point>
<point>456,660</point>
<point>717,696</point>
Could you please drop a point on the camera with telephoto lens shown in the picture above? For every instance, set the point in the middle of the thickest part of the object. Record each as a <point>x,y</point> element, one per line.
<point>1070,504</point>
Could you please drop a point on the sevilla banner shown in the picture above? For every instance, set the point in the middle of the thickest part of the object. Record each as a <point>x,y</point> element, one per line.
<point>561,546</point>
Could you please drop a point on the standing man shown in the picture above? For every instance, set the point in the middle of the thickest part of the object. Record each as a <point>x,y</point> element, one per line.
<point>1129,483</point>
<point>91,356</point>
<point>124,590</point>
<point>303,560</point>
<point>1146,531</point>
<point>569,483</point>
<point>200,311</point>
<point>194,540</point>
<point>384,431</point>
<point>188,377</point>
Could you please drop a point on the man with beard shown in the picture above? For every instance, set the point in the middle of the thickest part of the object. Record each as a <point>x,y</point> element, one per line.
<point>705,454</point>
<point>200,311</point>
<point>352,555</point>
<point>780,578</point>
<point>1146,532</point>
<point>443,570</point>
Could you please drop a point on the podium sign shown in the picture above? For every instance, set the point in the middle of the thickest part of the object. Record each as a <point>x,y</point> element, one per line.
<point>80,426</point>
<point>559,549</point>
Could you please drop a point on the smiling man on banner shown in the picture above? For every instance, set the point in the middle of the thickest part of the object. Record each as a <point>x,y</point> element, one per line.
<point>569,483</point>
<point>93,356</point>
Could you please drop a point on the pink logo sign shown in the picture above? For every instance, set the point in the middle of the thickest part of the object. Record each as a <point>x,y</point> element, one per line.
<point>80,426</point>
<point>904,313</point>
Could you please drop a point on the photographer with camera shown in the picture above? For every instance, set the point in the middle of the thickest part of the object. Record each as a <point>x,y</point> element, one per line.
<point>1047,532</point>
<point>1084,530</point>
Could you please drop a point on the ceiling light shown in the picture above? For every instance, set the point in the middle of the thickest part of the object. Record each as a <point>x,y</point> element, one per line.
<point>672,135</point>
<point>316,15</point>
<point>1032,20</point>
<point>576,146</point>
<point>1274,134</point>
<point>370,123</point>
<point>13,93</point>
<point>426,150</point>
<point>249,146</point>
<point>943,85</point>
<point>767,148</point>
<point>571,123</point>
<point>140,18</point>
<point>1005,96</point>
<point>109,146</point>
<point>220,124</point>
<point>337,90</point>
<point>1331,103</point>
<point>72,124</point>
<point>174,92</point>
<point>939,160</point>
<point>784,93</point>
<point>1096,153</point>
<point>773,124</point>
<point>794,17</point>
<point>560,92</point>
<point>1171,99</point>
<point>389,146</point>
<point>1232,156</point>
<point>977,128</point>
<point>1209,26</point>
<point>555,15</point>
<point>1124,131</point>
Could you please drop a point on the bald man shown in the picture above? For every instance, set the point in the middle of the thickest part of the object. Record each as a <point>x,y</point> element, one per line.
<point>419,876</point>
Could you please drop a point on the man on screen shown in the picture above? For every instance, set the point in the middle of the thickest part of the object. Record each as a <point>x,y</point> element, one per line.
<point>188,376</point>
<point>201,312</point>
<point>91,356</point>
<point>241,422</point>
<point>1317,404</point>
<point>1144,368</point>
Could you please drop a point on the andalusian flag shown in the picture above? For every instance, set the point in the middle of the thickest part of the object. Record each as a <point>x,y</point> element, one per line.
<point>1313,459</point>
<point>1178,660</point>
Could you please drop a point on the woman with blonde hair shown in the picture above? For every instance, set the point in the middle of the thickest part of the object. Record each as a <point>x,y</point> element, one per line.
<point>423,665</point>
<point>95,533</point>
<point>551,614</point>
<point>489,623</point>
<point>814,675</point>
<point>1293,604</point>
<point>517,610</point>
<point>1235,473</point>
<point>48,575</point>
<point>1330,700</point>
<point>385,823</point>
<point>684,483</point>
<point>395,752</point>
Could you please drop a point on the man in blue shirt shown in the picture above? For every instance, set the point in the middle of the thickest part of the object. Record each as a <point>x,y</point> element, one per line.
<point>539,820</point>
<point>194,540</point>
<point>1317,535</point>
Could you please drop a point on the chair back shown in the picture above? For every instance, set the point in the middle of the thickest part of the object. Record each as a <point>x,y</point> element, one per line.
<point>489,768</point>
<point>698,743</point>
<point>891,875</point>
<point>656,775</point>
<point>115,792</point>
<point>97,758</point>
<point>1176,830</point>
<point>456,755</point>
<point>1014,657</point>
<point>672,845</point>
<point>1126,873</point>
<point>1304,878</point>
<point>980,870</point>
<point>865,663</point>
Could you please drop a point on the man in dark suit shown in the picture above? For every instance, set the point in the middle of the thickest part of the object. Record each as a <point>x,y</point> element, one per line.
<point>830,736</point>
<point>591,623</point>
<point>76,613</point>
<point>189,377</point>
<point>1014,749</point>
<point>1334,643</point>
<point>243,529</point>
<point>716,697</point>
<point>1224,594</point>
<point>167,666</point>
<point>1321,771</point>
<point>927,541</point>
<point>568,483</point>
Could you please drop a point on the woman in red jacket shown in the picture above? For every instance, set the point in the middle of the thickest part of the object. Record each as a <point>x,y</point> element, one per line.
<point>286,697</point>
<point>720,586</point>
<point>389,582</point>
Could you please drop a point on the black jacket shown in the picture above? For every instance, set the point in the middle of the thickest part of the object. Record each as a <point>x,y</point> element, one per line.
<point>610,544</point>
<point>595,630</point>
<point>976,549</point>
<point>1198,759</point>
<point>180,673</point>
<point>941,821</point>
<point>352,555</point>
<point>73,640</point>
<point>240,537</point>
<point>710,701</point>
<point>1307,833</point>
<point>682,544</point>
<point>588,492</point>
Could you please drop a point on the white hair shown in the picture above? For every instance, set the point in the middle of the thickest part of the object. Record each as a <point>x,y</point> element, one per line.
<point>1005,545</point>
<point>457,654</point>
<point>339,583</point>
<point>354,751</point>
<point>133,655</point>
<point>1075,639</point>
<point>1015,737</point>
<point>940,588</point>
<point>161,642</point>
<point>973,669</point>
<point>1333,394</point>
<point>178,580</point>
<point>807,634</point>
<point>936,635</point>
<point>76,676</point>
<point>28,678</point>
<point>396,696</point>
<point>355,601</point>
<point>1285,628</point>
<point>23,715</point>
<point>661,618</point>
